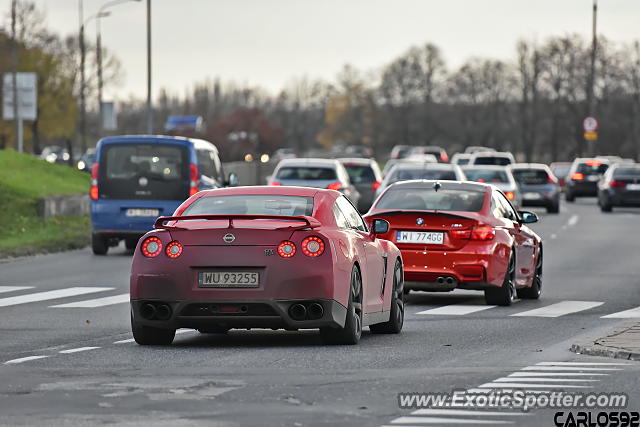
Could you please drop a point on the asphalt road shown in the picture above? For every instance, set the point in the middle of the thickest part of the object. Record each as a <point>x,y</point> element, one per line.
<point>81,367</point>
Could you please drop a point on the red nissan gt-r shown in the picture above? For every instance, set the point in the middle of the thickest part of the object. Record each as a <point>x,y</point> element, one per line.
<point>266,257</point>
<point>462,235</point>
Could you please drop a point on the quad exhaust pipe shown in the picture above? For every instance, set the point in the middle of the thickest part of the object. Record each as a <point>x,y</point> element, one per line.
<point>315,311</point>
<point>147,311</point>
<point>447,280</point>
<point>298,312</point>
<point>163,312</point>
<point>151,311</point>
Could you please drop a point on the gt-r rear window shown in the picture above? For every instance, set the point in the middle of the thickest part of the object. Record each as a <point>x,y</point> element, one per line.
<point>486,175</point>
<point>306,173</point>
<point>252,205</point>
<point>531,176</point>
<point>409,174</point>
<point>494,160</point>
<point>429,199</point>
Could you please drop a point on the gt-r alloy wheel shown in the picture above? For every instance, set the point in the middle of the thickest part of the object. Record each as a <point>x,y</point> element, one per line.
<point>535,290</point>
<point>396,317</point>
<point>352,330</point>
<point>505,294</point>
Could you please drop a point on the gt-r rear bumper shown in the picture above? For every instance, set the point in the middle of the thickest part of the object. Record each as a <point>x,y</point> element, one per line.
<point>269,314</point>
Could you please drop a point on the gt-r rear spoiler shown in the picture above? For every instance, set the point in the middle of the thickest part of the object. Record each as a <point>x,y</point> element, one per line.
<point>309,222</point>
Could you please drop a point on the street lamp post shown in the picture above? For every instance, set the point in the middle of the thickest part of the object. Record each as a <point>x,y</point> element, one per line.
<point>149,106</point>
<point>592,73</point>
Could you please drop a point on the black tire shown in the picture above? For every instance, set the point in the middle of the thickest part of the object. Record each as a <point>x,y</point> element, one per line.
<point>130,243</point>
<point>535,290</point>
<point>396,317</point>
<point>606,207</point>
<point>569,197</point>
<point>504,294</point>
<point>553,207</point>
<point>146,335</point>
<point>352,330</point>
<point>99,244</point>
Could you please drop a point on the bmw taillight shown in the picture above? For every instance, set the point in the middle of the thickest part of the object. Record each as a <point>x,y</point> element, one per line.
<point>194,179</point>
<point>334,186</point>
<point>151,247</point>
<point>461,234</point>
<point>480,232</point>
<point>375,185</point>
<point>286,249</point>
<point>174,249</point>
<point>93,192</point>
<point>312,246</point>
<point>577,176</point>
<point>510,195</point>
<point>617,184</point>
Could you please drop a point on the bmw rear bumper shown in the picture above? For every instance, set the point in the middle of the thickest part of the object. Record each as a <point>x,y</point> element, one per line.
<point>268,314</point>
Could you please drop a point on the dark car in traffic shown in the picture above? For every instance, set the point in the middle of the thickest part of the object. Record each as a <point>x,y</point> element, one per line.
<point>583,177</point>
<point>620,186</point>
<point>538,186</point>
<point>365,175</point>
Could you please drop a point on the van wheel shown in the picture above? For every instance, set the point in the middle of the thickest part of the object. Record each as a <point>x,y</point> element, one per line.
<point>99,244</point>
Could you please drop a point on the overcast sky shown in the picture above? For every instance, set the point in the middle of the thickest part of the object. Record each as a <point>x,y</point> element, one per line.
<point>269,42</point>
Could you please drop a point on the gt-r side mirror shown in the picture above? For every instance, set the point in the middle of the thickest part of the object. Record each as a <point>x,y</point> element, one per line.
<point>528,217</point>
<point>233,180</point>
<point>380,226</point>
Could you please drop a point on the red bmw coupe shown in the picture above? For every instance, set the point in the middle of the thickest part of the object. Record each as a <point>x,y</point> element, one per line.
<point>266,257</point>
<point>462,235</point>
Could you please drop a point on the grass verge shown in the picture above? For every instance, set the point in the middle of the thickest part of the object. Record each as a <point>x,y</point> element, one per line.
<point>24,180</point>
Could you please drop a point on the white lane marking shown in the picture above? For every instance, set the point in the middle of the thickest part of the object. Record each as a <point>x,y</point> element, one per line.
<point>98,302</point>
<point>541,380</point>
<point>559,309</point>
<point>555,374</point>
<point>23,359</point>
<point>573,220</point>
<point>566,368</point>
<point>124,341</point>
<point>627,314</point>
<point>467,412</point>
<point>456,309</point>
<point>440,420</point>
<point>527,385</point>
<point>77,350</point>
<point>580,364</point>
<point>13,288</point>
<point>48,295</point>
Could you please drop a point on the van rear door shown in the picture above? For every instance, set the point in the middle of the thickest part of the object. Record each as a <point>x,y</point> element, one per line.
<point>144,171</point>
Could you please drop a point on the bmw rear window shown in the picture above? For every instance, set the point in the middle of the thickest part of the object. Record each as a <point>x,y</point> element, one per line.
<point>306,173</point>
<point>428,199</point>
<point>252,205</point>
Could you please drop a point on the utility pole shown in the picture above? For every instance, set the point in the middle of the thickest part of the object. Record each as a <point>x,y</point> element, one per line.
<point>100,84</point>
<point>149,105</point>
<point>16,95</point>
<point>592,73</point>
<point>83,104</point>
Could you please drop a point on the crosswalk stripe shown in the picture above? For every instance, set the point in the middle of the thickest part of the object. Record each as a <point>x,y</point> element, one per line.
<point>555,374</point>
<point>14,288</point>
<point>559,309</point>
<point>98,302</point>
<point>23,359</point>
<point>511,379</point>
<point>49,295</point>
<point>566,368</point>
<point>456,309</point>
<point>527,385</point>
<point>627,314</point>
<point>441,420</point>
<point>580,364</point>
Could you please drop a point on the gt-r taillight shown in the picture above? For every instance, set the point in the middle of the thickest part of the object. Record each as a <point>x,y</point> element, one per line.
<point>151,247</point>
<point>312,246</point>
<point>174,249</point>
<point>286,249</point>
<point>93,192</point>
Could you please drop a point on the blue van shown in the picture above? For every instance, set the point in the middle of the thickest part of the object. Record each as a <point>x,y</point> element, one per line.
<point>137,178</point>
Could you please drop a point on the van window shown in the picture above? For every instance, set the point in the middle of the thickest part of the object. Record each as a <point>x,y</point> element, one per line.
<point>144,171</point>
<point>206,164</point>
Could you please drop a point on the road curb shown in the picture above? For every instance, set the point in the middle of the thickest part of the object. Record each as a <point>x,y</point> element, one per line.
<point>619,343</point>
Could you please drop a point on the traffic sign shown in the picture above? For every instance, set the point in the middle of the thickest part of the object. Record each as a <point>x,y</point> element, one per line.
<point>590,124</point>
<point>27,96</point>
<point>591,136</point>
